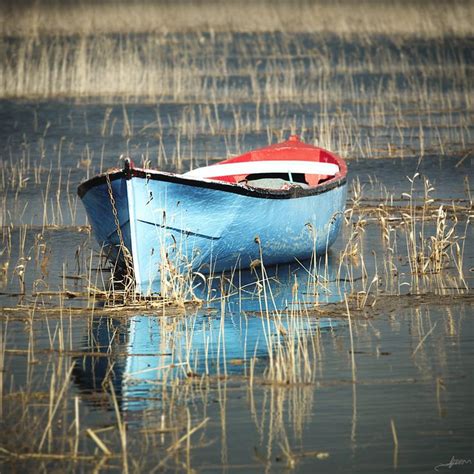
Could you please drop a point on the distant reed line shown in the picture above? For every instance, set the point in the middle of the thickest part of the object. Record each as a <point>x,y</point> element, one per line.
<point>234,68</point>
<point>428,18</point>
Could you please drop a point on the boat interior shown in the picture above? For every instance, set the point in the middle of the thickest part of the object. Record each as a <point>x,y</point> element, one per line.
<point>276,180</point>
<point>270,174</point>
<point>280,166</point>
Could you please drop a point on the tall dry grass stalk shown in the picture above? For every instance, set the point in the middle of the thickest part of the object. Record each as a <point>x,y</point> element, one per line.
<point>422,244</point>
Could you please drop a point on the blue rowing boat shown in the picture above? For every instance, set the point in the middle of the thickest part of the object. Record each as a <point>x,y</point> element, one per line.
<point>275,204</point>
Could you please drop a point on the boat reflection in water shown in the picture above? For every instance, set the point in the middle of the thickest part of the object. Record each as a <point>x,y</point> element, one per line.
<point>249,318</point>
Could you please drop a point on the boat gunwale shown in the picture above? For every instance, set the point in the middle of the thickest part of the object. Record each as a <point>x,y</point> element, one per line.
<point>293,192</point>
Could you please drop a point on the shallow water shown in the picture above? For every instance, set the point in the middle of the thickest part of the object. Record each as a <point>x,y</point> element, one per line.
<point>48,148</point>
<point>413,365</point>
<point>265,358</point>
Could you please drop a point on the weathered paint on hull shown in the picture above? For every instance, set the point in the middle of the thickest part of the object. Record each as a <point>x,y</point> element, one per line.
<point>170,226</point>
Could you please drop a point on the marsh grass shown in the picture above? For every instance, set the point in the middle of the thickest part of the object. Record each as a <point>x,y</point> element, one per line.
<point>230,85</point>
<point>53,427</point>
<point>423,243</point>
<point>50,426</point>
<point>395,83</point>
<point>52,430</point>
<point>428,19</point>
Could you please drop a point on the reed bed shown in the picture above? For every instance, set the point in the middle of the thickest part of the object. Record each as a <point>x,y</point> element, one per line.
<point>233,68</point>
<point>44,421</point>
<point>53,427</point>
<point>421,248</point>
<point>179,85</point>
<point>420,18</point>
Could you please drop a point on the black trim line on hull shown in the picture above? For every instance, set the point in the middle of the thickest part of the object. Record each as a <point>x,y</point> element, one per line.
<point>292,193</point>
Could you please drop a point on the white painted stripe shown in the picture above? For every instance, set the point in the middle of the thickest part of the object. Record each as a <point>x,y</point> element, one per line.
<point>259,167</point>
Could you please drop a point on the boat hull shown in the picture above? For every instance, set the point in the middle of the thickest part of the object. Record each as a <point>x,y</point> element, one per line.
<point>172,225</point>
